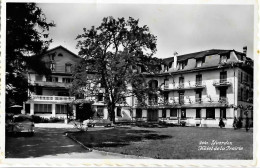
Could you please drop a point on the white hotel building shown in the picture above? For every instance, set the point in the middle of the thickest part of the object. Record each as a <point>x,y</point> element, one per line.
<point>197,88</point>
<point>200,88</point>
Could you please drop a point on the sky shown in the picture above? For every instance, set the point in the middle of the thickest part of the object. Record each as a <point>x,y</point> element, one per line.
<point>183,28</point>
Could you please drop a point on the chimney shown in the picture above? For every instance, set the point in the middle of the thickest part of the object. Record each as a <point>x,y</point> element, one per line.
<point>175,54</point>
<point>245,50</point>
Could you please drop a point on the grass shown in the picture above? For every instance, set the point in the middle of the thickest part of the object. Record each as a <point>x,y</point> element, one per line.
<point>169,143</point>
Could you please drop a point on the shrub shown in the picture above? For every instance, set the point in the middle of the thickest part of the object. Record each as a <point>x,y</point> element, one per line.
<point>37,119</point>
<point>45,120</point>
<point>8,117</point>
<point>56,119</point>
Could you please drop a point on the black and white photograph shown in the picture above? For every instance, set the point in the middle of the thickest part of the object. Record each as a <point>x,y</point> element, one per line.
<point>128,81</point>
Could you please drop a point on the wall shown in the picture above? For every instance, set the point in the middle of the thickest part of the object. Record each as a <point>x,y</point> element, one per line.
<point>61,60</point>
<point>60,67</point>
<point>208,78</point>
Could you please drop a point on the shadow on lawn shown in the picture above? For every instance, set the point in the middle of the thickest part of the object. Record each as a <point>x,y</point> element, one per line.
<point>115,137</point>
<point>45,142</point>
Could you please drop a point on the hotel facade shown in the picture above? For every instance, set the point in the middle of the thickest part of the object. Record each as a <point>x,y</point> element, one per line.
<point>196,89</point>
<point>199,89</point>
<point>50,95</point>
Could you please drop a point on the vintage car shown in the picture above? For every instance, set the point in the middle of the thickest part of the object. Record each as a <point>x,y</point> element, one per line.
<point>97,122</point>
<point>20,124</point>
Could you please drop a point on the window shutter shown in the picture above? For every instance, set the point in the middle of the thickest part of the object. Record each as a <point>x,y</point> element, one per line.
<point>239,93</point>
<point>239,76</point>
<point>244,95</point>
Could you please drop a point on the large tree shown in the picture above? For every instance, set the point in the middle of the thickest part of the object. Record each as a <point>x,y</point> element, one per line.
<point>26,35</point>
<point>116,57</point>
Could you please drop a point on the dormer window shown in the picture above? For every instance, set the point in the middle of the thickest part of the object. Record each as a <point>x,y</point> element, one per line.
<point>200,61</point>
<point>166,68</point>
<point>224,58</point>
<point>68,67</point>
<point>182,64</point>
<point>170,65</point>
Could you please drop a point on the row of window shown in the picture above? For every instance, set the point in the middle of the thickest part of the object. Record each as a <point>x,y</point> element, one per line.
<point>39,78</point>
<point>47,108</point>
<point>198,95</point>
<point>53,66</point>
<point>154,83</point>
<point>199,62</point>
<point>210,113</point>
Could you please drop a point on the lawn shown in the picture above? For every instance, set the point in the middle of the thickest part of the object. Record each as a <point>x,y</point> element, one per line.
<point>171,142</point>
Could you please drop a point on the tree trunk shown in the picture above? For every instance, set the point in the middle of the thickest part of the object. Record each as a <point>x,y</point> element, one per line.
<point>111,111</point>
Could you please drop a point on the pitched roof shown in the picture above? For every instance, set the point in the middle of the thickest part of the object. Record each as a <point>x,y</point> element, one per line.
<point>199,54</point>
<point>60,46</point>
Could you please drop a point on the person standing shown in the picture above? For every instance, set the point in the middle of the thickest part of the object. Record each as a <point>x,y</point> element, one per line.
<point>235,123</point>
<point>221,123</point>
<point>247,124</point>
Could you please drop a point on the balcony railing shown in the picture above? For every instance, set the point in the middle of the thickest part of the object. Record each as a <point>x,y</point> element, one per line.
<point>198,100</point>
<point>52,98</point>
<point>183,86</point>
<point>175,101</point>
<point>180,86</point>
<point>188,101</point>
<point>222,82</point>
<point>199,84</point>
<point>52,84</point>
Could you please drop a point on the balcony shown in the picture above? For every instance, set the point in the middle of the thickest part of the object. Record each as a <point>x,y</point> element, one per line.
<point>186,102</point>
<point>52,84</point>
<point>222,83</point>
<point>189,102</point>
<point>52,98</point>
<point>200,84</point>
<point>184,86</point>
<point>180,86</point>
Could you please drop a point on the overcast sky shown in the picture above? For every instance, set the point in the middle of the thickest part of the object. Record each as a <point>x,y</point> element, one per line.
<point>180,28</point>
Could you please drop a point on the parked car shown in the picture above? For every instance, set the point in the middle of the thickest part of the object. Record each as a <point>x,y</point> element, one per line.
<point>98,122</point>
<point>21,124</point>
